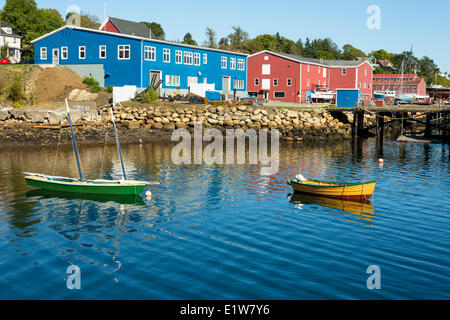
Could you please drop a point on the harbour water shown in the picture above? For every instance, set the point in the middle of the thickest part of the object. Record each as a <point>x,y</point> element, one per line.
<point>226,231</point>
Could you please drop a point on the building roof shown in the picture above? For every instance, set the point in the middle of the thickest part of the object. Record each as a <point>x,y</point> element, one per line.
<point>321,62</point>
<point>12,34</point>
<point>131,28</point>
<point>385,63</point>
<point>115,34</point>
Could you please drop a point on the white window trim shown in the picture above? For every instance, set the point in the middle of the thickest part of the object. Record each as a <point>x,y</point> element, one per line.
<point>239,84</point>
<point>241,64</point>
<point>100,52</point>
<point>166,53</point>
<point>205,58</point>
<point>233,63</point>
<point>118,51</point>
<point>172,83</point>
<point>188,54</point>
<point>79,52</point>
<point>66,50</point>
<point>224,63</point>
<point>344,71</point>
<point>43,50</point>
<point>150,50</point>
<point>275,85</point>
<point>287,82</point>
<point>197,55</point>
<point>254,82</point>
<point>178,54</point>
<point>279,92</point>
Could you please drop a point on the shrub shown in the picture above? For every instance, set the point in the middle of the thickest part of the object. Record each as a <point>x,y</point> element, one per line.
<point>90,81</point>
<point>109,89</point>
<point>15,91</point>
<point>18,105</point>
<point>150,96</point>
<point>95,89</point>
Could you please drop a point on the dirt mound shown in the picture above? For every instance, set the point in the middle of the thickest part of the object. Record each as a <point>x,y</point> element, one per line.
<point>52,84</point>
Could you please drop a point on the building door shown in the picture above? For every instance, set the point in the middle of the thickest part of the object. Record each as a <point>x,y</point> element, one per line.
<point>226,84</point>
<point>155,79</point>
<point>55,56</point>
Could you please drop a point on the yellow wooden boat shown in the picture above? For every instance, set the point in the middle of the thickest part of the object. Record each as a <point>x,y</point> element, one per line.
<point>347,191</point>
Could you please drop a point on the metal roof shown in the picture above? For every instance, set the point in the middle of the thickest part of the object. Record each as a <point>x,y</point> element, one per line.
<point>131,28</point>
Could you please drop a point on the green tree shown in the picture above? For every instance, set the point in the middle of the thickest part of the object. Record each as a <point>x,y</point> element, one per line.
<point>350,52</point>
<point>86,20</point>
<point>322,54</point>
<point>381,55</point>
<point>30,22</point>
<point>211,41</point>
<point>188,40</point>
<point>224,43</point>
<point>157,30</point>
<point>428,70</point>
<point>238,39</point>
<point>266,42</point>
<point>4,51</point>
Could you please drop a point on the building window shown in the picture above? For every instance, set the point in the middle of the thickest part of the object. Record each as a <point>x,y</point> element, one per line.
<point>205,58</point>
<point>344,71</point>
<point>365,73</point>
<point>319,69</point>
<point>307,67</point>
<point>178,57</point>
<point>289,82</point>
<point>414,90</point>
<point>102,52</point>
<point>266,69</point>
<point>364,85</point>
<point>224,63</point>
<point>307,82</point>
<point>279,95</point>
<point>123,52</point>
<point>43,53</point>
<point>359,85</point>
<point>166,55</point>
<point>241,64</point>
<point>239,84</point>
<point>82,52</point>
<point>188,57</point>
<point>275,82</point>
<point>266,58</point>
<point>232,63</point>
<point>256,82</point>
<point>197,59</point>
<point>318,83</point>
<point>172,81</point>
<point>64,53</point>
<point>369,85</point>
<point>150,53</point>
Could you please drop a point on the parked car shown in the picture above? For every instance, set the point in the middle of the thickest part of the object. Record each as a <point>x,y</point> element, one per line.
<point>27,61</point>
<point>4,61</point>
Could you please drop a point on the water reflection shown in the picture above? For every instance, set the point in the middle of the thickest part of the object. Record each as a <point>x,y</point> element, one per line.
<point>360,211</point>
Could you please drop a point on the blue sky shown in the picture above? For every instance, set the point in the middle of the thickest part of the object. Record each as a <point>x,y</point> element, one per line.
<point>425,25</point>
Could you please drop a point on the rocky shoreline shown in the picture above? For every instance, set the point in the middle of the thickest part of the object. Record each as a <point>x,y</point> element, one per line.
<point>140,123</point>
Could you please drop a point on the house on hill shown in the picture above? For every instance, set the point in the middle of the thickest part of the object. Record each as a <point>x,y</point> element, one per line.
<point>12,40</point>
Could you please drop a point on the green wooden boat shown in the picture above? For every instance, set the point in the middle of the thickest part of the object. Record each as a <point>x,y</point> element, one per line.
<point>105,187</point>
<point>75,185</point>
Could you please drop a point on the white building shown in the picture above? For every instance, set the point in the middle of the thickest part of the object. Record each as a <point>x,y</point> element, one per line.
<point>13,40</point>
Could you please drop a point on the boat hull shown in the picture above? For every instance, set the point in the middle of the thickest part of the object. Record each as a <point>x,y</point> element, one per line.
<point>86,188</point>
<point>349,191</point>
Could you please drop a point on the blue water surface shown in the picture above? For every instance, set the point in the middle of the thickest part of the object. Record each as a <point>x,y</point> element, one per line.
<point>226,231</point>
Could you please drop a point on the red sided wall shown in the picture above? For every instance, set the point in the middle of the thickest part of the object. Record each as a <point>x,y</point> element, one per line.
<point>281,69</point>
<point>312,78</point>
<point>110,27</point>
<point>422,88</point>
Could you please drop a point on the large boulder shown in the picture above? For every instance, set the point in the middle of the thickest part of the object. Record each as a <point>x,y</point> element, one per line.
<point>55,118</point>
<point>36,116</point>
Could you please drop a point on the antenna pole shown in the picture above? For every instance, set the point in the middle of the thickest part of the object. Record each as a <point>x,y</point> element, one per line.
<point>73,141</point>
<point>118,144</point>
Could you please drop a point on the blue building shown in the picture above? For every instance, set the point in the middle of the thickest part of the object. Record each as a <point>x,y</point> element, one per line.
<point>135,60</point>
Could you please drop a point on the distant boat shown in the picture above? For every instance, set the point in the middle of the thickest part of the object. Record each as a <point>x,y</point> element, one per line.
<point>80,185</point>
<point>322,94</point>
<point>346,191</point>
<point>383,94</point>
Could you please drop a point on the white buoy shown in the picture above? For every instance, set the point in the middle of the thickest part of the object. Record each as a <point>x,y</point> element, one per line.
<point>380,161</point>
<point>300,178</point>
<point>148,194</point>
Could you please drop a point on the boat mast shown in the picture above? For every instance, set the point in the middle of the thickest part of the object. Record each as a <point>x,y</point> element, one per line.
<point>73,141</point>
<point>118,144</point>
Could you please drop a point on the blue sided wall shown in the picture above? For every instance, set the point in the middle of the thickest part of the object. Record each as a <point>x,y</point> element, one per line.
<point>347,98</point>
<point>136,70</point>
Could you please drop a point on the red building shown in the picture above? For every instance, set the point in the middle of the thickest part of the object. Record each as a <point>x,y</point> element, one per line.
<point>126,27</point>
<point>289,78</point>
<point>406,84</point>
